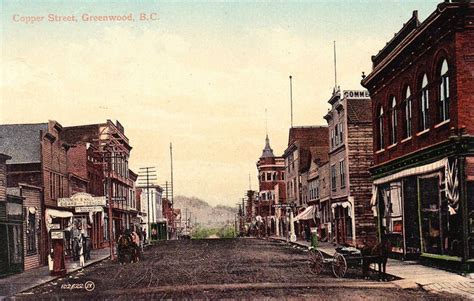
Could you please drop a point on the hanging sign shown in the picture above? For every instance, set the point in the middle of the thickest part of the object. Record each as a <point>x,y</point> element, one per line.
<point>57,235</point>
<point>89,209</point>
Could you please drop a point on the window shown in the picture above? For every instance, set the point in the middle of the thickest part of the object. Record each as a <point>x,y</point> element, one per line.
<point>283,176</point>
<point>444,92</point>
<point>332,138</point>
<point>342,173</point>
<point>269,176</point>
<point>424,120</point>
<point>408,114</point>
<point>393,121</point>
<point>263,177</point>
<point>336,130</point>
<point>380,128</point>
<point>341,132</point>
<point>31,232</point>
<point>333,177</point>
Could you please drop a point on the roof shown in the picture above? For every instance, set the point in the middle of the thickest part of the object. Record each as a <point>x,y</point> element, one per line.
<point>413,31</point>
<point>359,110</point>
<point>306,133</point>
<point>22,142</point>
<point>267,151</point>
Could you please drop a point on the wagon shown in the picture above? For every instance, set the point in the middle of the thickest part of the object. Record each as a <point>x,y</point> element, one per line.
<point>343,259</point>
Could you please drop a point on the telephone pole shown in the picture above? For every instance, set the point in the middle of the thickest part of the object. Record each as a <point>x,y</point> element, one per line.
<point>146,177</point>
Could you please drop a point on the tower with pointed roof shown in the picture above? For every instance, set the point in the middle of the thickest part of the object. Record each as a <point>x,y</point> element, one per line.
<point>271,184</point>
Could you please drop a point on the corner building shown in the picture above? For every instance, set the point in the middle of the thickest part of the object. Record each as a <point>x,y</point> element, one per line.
<point>422,88</point>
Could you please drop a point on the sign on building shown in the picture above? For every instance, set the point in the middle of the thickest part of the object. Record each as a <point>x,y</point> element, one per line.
<point>359,94</point>
<point>81,199</point>
<point>89,209</point>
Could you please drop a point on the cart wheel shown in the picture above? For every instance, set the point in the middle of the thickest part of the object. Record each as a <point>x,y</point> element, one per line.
<point>339,266</point>
<point>316,261</point>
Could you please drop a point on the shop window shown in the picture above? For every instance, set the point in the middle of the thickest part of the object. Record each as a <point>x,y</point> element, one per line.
<point>470,206</point>
<point>444,92</point>
<point>441,229</point>
<point>391,211</point>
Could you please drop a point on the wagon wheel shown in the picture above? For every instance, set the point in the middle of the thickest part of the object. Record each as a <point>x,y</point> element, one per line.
<point>316,261</point>
<point>339,266</point>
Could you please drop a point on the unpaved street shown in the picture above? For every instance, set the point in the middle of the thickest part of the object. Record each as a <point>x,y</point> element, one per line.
<point>217,268</point>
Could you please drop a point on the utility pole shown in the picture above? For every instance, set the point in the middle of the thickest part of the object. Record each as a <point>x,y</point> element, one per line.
<point>146,177</point>
<point>172,186</point>
<point>291,100</point>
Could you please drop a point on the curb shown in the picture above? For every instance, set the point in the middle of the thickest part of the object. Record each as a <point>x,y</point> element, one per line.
<point>58,277</point>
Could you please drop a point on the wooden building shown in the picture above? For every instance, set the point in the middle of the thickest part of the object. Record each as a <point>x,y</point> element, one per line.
<point>350,156</point>
<point>39,158</point>
<point>422,88</point>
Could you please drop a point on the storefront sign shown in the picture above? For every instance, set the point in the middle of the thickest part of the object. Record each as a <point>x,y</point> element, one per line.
<point>135,220</point>
<point>55,227</point>
<point>89,209</point>
<point>81,200</point>
<point>57,235</point>
<point>356,94</point>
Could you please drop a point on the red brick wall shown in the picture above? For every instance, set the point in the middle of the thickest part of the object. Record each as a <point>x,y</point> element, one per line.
<point>465,75</point>
<point>77,160</point>
<point>409,72</point>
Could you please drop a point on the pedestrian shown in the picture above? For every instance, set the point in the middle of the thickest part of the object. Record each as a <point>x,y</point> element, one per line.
<point>307,233</point>
<point>135,247</point>
<point>80,243</point>
<point>144,235</point>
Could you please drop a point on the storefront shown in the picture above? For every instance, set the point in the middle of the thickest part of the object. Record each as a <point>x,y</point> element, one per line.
<point>420,213</point>
<point>11,238</point>
<point>343,222</point>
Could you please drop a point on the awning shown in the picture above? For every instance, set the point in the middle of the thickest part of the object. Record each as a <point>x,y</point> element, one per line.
<point>307,214</point>
<point>52,213</point>
<point>345,204</point>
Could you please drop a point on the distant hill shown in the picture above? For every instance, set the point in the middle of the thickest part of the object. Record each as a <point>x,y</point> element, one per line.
<point>203,213</point>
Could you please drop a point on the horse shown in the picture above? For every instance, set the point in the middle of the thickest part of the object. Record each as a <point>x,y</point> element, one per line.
<point>378,255</point>
<point>124,245</point>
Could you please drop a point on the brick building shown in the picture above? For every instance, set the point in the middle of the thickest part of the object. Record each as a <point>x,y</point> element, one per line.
<point>39,158</point>
<point>271,184</point>
<point>106,144</point>
<point>297,161</point>
<point>85,170</point>
<point>422,88</point>
<point>350,156</point>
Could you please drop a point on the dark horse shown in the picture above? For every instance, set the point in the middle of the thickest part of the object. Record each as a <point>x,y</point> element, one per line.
<point>124,249</point>
<point>378,255</point>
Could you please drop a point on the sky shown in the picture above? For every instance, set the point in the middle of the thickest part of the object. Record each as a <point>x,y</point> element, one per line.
<point>197,74</point>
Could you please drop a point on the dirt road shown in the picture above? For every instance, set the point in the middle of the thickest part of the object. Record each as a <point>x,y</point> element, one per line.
<point>217,268</point>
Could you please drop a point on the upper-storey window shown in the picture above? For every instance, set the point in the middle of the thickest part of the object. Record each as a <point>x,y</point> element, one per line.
<point>393,121</point>
<point>424,105</point>
<point>408,113</point>
<point>444,92</point>
<point>380,128</point>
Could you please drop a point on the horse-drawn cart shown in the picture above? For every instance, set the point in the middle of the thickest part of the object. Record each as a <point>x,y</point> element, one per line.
<point>343,259</point>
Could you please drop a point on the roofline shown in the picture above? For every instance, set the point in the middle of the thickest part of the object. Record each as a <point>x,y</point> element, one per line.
<point>408,40</point>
